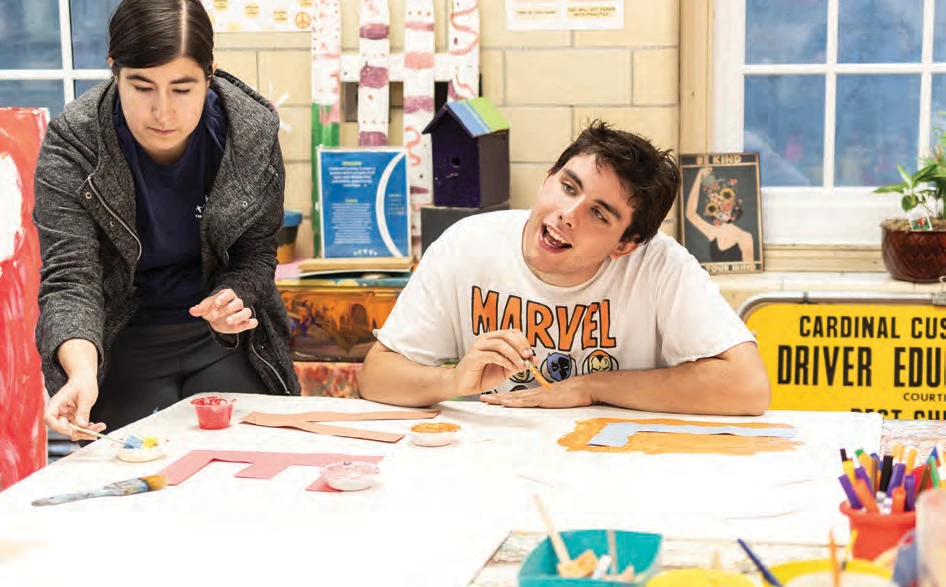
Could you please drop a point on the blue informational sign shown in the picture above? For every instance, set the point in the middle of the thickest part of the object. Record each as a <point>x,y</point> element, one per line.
<point>364,199</point>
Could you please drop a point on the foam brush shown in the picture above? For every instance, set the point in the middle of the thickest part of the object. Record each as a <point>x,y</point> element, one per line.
<point>128,487</point>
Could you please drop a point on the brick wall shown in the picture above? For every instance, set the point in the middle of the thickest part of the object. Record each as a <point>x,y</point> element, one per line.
<point>547,83</point>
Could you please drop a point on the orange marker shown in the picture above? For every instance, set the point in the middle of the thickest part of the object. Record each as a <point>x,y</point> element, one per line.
<point>863,494</point>
<point>899,499</point>
<point>864,458</point>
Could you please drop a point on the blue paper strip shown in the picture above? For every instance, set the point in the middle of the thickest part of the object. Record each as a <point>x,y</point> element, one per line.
<point>616,433</point>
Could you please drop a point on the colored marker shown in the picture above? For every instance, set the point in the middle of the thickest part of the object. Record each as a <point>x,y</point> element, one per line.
<point>849,470</point>
<point>934,473</point>
<point>852,498</point>
<point>911,458</point>
<point>909,484</point>
<point>875,469</point>
<point>935,455</point>
<point>899,500</point>
<point>865,462</point>
<point>885,473</point>
<point>924,478</point>
<point>896,478</point>
<point>863,493</point>
<point>843,455</point>
<point>861,474</point>
<point>897,452</point>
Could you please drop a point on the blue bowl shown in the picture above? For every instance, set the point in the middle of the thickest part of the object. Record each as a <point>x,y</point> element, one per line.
<point>540,569</point>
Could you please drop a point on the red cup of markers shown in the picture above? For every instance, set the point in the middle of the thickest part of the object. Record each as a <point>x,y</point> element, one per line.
<point>877,533</point>
<point>213,413</point>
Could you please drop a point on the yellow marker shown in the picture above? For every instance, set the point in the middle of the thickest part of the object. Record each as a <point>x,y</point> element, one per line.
<point>849,470</point>
<point>864,458</point>
<point>911,458</point>
<point>897,453</point>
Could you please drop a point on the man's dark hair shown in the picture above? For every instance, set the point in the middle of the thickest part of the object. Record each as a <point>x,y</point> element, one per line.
<point>650,177</point>
<point>151,33</point>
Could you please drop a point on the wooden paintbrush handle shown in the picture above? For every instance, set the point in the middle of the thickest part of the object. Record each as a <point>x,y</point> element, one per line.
<point>561,551</point>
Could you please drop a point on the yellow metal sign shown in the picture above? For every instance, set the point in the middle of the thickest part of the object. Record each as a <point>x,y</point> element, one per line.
<point>859,357</point>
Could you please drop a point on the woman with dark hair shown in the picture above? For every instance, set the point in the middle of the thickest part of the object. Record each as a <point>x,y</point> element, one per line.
<point>159,194</point>
<point>728,243</point>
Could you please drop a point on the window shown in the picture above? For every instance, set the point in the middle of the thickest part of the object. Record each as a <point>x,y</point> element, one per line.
<point>833,94</point>
<point>52,50</point>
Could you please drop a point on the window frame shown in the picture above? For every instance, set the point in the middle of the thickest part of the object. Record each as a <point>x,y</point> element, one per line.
<point>67,74</point>
<point>827,215</point>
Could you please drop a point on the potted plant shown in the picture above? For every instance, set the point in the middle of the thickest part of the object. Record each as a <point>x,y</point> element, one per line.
<point>914,248</point>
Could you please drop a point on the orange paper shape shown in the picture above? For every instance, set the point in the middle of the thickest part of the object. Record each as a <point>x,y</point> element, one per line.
<point>308,422</point>
<point>679,443</point>
<point>263,465</point>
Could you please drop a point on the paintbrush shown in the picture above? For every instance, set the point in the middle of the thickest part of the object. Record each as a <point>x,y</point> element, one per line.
<point>583,566</point>
<point>91,433</point>
<point>847,550</point>
<point>538,374</point>
<point>835,566</point>
<point>763,570</point>
<point>128,487</point>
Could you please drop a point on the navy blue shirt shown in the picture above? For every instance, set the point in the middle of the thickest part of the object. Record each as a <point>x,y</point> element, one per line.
<point>169,201</point>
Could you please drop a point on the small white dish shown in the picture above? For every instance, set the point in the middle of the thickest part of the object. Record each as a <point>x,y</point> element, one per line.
<point>350,475</point>
<point>433,433</point>
<point>144,455</point>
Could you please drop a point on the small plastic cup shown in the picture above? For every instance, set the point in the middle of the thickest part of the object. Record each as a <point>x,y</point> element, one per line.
<point>350,475</point>
<point>433,433</point>
<point>213,413</point>
<point>877,533</point>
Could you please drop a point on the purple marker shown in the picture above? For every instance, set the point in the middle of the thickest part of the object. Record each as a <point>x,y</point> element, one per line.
<point>896,477</point>
<point>909,484</point>
<point>861,474</point>
<point>851,495</point>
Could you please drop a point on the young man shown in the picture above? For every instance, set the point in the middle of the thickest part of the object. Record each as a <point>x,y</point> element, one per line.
<point>584,286</point>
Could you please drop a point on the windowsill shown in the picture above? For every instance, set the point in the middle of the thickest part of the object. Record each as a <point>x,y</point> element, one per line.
<point>738,288</point>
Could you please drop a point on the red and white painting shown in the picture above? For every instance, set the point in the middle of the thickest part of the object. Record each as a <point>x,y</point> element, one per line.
<point>22,397</point>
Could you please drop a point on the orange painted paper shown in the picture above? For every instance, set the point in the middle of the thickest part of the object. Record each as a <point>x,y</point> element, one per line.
<point>682,443</point>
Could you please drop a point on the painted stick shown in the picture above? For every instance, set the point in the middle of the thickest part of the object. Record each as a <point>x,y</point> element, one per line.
<point>464,42</point>
<point>326,92</point>
<point>374,50</point>
<point>418,106</point>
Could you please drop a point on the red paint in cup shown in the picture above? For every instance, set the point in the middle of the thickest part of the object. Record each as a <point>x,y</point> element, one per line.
<point>213,413</point>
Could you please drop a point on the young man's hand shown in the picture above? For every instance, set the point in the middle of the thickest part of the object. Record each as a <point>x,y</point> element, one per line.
<point>493,358</point>
<point>566,394</point>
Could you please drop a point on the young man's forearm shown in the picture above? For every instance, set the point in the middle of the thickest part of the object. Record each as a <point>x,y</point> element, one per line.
<point>390,378</point>
<point>717,386</point>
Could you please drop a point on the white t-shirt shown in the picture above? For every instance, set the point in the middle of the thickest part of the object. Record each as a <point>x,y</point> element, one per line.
<point>653,308</point>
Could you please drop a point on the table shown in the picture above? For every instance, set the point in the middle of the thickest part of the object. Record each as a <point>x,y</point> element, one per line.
<point>439,516</point>
<point>504,565</point>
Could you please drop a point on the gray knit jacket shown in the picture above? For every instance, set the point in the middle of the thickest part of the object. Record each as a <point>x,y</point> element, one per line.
<point>85,214</point>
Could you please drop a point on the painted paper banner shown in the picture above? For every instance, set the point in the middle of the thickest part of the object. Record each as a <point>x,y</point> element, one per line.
<point>22,396</point>
<point>232,16</point>
<point>418,106</point>
<point>326,92</point>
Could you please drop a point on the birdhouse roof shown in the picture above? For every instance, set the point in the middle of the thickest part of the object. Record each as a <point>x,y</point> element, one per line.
<point>477,116</point>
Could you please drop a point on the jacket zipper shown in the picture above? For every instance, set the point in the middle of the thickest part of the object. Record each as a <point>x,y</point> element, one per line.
<point>117,217</point>
<point>273,369</point>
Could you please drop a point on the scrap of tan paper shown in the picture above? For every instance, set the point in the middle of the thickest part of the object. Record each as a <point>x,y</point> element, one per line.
<point>308,421</point>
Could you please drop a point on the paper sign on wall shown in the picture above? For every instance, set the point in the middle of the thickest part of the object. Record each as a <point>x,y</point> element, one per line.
<point>589,15</point>
<point>364,202</point>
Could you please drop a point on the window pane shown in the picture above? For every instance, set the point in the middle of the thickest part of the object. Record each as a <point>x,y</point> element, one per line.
<point>90,32</point>
<point>784,123</point>
<point>32,94</point>
<point>29,34</point>
<point>939,32</point>
<point>877,127</point>
<point>880,31</point>
<point>786,31</point>
<point>84,85</point>
<point>938,111</point>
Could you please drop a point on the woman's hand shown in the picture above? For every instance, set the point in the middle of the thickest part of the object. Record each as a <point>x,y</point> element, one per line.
<point>72,406</point>
<point>225,313</point>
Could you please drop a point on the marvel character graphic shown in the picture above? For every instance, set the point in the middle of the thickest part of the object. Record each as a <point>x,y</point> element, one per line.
<point>558,367</point>
<point>524,376</point>
<point>599,361</point>
<point>518,388</point>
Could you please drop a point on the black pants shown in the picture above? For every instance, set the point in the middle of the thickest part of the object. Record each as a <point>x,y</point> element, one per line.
<point>152,367</point>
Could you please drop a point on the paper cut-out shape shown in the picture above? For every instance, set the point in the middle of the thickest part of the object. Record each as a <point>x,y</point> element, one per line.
<point>617,433</point>
<point>307,421</point>
<point>676,436</point>
<point>263,465</point>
